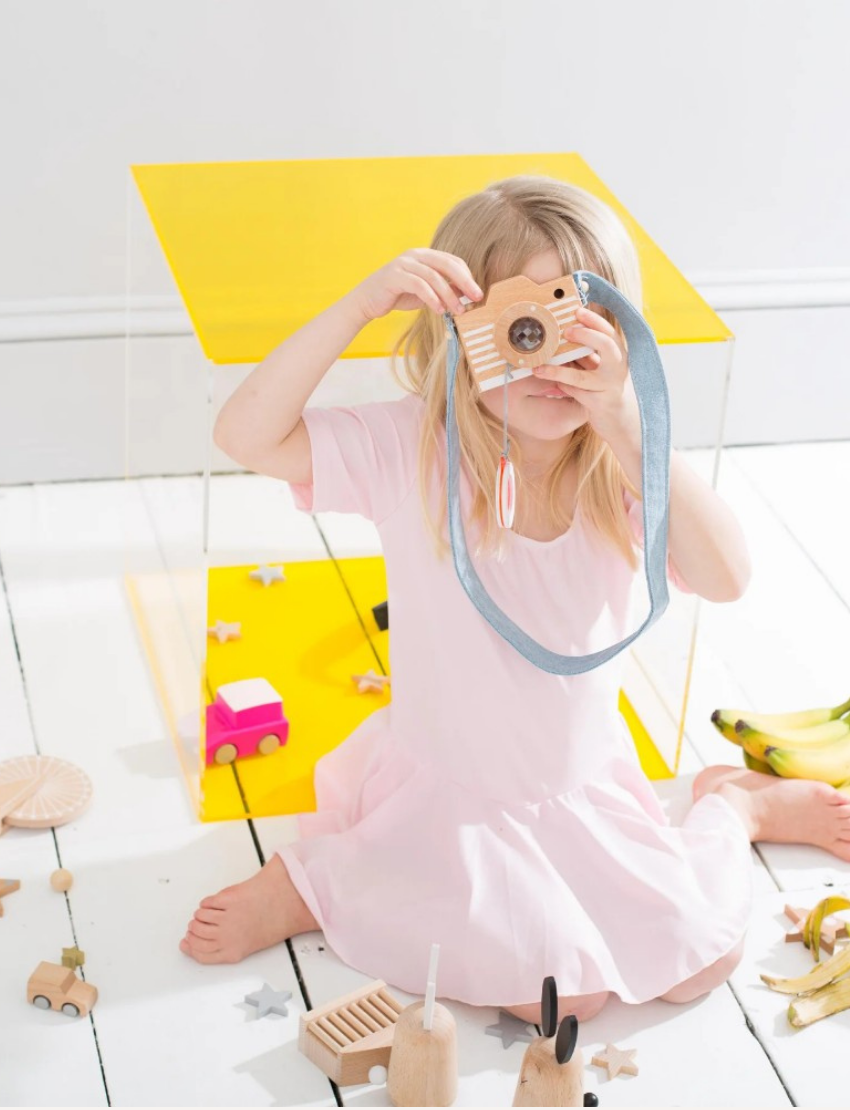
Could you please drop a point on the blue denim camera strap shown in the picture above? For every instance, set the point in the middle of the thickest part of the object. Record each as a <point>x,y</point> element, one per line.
<point>654,405</point>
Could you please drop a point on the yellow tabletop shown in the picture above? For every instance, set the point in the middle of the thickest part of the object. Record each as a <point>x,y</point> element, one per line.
<point>259,248</point>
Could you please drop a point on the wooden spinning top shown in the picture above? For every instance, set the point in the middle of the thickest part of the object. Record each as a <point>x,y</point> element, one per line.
<point>40,791</point>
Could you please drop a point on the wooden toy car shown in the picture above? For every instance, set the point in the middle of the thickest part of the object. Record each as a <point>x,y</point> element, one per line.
<point>53,987</point>
<point>246,717</point>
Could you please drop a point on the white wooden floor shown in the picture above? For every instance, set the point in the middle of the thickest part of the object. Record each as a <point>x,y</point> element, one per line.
<point>74,683</point>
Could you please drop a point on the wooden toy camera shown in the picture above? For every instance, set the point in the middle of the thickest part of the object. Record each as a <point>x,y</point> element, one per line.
<point>518,325</point>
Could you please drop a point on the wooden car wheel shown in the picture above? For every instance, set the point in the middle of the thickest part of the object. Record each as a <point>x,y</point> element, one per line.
<point>41,1002</point>
<point>70,1009</point>
<point>269,744</point>
<point>226,753</point>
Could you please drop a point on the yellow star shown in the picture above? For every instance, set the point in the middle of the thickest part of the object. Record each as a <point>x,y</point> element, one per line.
<point>616,1060</point>
<point>73,957</point>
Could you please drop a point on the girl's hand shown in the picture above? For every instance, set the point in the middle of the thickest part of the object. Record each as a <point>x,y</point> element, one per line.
<point>421,277</point>
<point>600,381</point>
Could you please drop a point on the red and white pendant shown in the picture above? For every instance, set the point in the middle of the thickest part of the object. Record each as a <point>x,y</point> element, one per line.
<point>505,493</point>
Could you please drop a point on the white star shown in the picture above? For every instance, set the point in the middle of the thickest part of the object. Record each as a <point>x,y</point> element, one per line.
<point>223,631</point>
<point>267,575</point>
<point>370,681</point>
<point>269,1001</point>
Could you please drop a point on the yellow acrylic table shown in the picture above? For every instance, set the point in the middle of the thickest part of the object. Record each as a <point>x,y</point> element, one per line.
<point>256,249</point>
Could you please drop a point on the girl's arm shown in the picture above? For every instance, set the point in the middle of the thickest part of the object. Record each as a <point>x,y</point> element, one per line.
<point>704,539</point>
<point>256,421</point>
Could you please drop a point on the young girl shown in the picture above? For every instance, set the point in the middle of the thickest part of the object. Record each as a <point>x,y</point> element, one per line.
<point>493,806</point>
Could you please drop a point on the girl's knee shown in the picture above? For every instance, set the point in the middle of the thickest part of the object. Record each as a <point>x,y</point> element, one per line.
<point>585,1007</point>
<point>707,980</point>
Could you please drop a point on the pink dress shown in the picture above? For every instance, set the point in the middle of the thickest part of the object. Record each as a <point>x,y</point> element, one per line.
<point>493,807</point>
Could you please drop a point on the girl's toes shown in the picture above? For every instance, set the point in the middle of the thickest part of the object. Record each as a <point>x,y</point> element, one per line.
<point>208,916</point>
<point>202,930</point>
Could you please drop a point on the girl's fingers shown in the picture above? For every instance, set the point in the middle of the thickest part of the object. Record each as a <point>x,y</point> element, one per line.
<point>420,288</point>
<point>452,266</point>
<point>586,315</point>
<point>438,283</point>
<point>596,340</point>
<point>569,374</point>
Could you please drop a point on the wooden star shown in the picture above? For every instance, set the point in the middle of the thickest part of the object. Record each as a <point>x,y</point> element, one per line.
<point>73,957</point>
<point>7,886</point>
<point>616,1060</point>
<point>371,681</point>
<point>830,930</point>
<point>510,1028</point>
<point>224,631</point>
<point>267,575</point>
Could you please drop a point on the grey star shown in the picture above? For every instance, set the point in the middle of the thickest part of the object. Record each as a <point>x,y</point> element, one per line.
<point>224,630</point>
<point>269,1001</point>
<point>510,1029</point>
<point>267,575</point>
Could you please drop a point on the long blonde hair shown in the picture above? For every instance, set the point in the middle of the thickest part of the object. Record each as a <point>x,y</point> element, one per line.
<point>496,231</point>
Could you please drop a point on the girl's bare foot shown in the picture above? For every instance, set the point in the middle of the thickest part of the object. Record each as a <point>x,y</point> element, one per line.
<point>786,811</point>
<point>241,919</point>
<point>585,1007</point>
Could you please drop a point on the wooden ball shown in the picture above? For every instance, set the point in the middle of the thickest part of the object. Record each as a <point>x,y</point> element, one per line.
<point>61,880</point>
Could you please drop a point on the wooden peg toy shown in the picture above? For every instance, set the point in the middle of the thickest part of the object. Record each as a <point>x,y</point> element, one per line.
<point>350,1036</point>
<point>552,1069</point>
<point>423,1062</point>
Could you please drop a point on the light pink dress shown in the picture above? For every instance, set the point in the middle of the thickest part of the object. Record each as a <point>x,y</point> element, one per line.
<point>493,807</point>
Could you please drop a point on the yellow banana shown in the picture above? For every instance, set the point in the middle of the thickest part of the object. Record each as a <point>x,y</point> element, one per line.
<point>831,999</point>
<point>770,722</point>
<point>823,973</point>
<point>724,721</point>
<point>814,921</point>
<point>816,736</point>
<point>823,764</point>
<point>757,764</point>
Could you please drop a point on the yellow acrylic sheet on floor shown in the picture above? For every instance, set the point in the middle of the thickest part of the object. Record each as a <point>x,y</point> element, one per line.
<point>308,636</point>
<point>259,248</point>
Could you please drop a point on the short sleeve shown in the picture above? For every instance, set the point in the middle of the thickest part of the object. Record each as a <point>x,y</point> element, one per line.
<point>634,510</point>
<point>364,457</point>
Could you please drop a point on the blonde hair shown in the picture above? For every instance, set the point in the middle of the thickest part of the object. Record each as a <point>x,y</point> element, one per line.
<point>496,231</point>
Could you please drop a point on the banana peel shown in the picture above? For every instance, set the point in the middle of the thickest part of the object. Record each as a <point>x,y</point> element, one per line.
<point>831,999</point>
<point>821,975</point>
<point>814,921</point>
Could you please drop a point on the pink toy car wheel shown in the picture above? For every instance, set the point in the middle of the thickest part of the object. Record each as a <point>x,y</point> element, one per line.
<point>226,753</point>
<point>269,744</point>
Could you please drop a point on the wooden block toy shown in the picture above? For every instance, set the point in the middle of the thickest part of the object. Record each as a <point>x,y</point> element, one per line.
<point>55,791</point>
<point>61,880</point>
<point>351,1035</point>
<point>53,987</point>
<point>7,886</point>
<point>246,717</point>
<point>423,1062</point>
<point>552,1069</point>
<point>616,1060</point>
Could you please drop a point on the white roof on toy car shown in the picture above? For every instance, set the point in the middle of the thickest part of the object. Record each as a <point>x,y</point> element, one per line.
<point>248,693</point>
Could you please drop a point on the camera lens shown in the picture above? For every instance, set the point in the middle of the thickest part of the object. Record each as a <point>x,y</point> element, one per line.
<point>526,334</point>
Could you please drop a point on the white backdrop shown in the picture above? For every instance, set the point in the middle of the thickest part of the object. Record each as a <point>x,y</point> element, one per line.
<point>720,126</point>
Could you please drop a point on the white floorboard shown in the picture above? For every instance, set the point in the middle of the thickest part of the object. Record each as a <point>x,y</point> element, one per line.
<point>170,1032</point>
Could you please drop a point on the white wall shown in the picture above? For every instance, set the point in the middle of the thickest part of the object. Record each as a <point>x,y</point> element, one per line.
<point>720,126</point>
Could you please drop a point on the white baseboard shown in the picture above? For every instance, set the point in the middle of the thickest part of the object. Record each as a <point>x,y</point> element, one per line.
<point>62,380</point>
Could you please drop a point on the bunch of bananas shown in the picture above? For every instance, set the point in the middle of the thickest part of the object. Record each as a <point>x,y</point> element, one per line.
<point>809,744</point>
<point>825,989</point>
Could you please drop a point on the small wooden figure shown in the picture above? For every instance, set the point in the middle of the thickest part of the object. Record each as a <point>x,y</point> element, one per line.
<point>53,987</point>
<point>7,886</point>
<point>423,1063</point>
<point>371,681</point>
<point>349,1036</point>
<point>552,1069</point>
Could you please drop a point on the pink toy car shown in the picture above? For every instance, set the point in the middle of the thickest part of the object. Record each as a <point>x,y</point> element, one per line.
<point>246,717</point>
